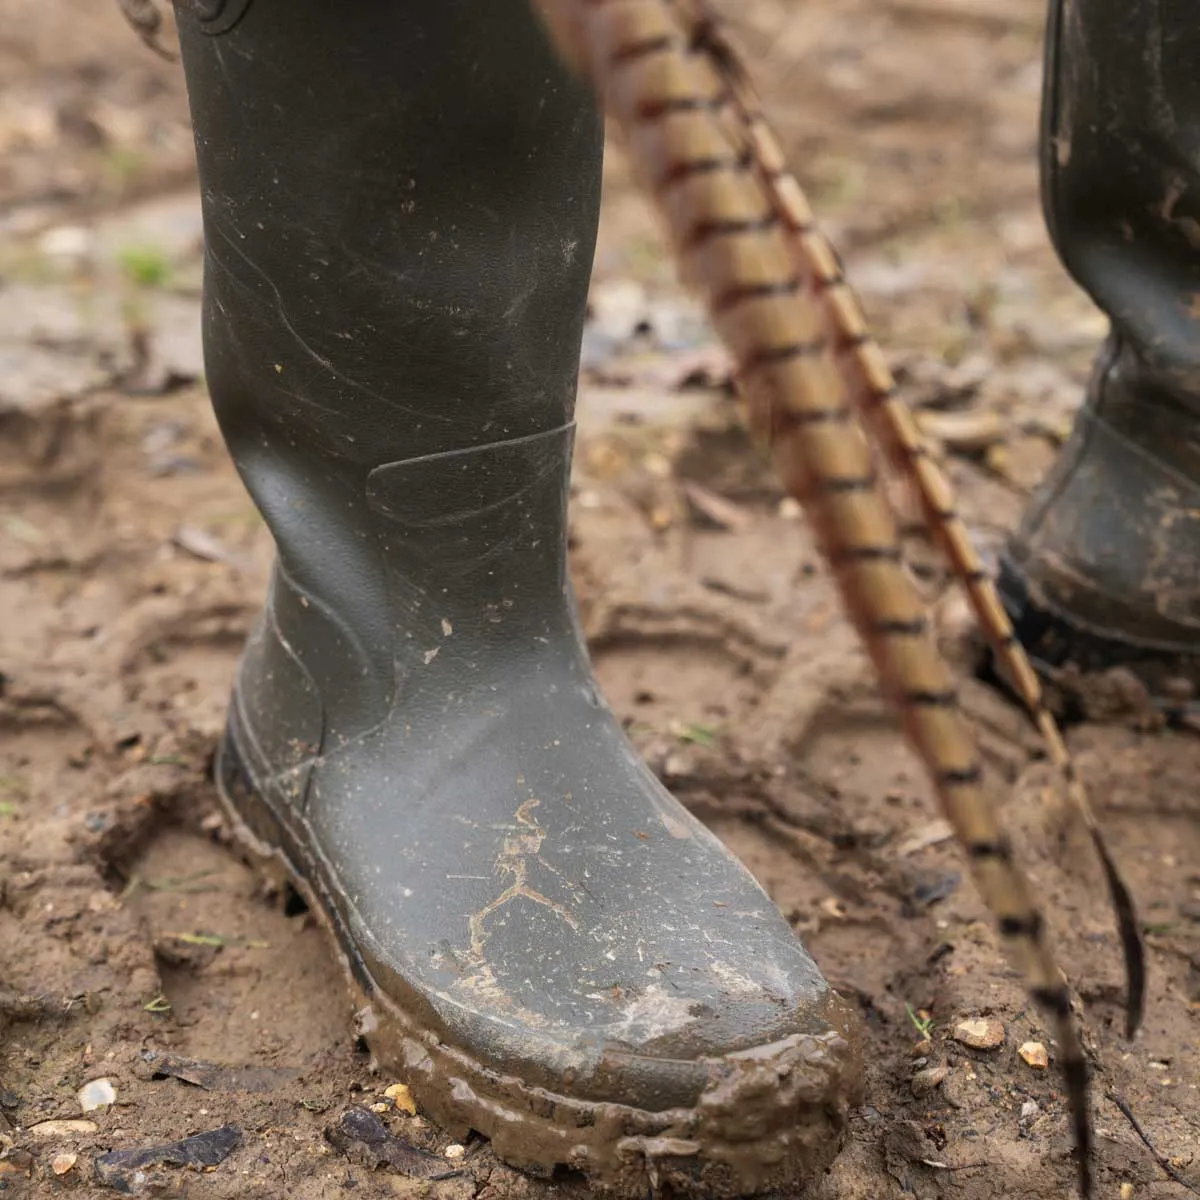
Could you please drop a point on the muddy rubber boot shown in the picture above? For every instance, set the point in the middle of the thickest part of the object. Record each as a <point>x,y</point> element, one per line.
<point>400,205</point>
<point>1105,567</point>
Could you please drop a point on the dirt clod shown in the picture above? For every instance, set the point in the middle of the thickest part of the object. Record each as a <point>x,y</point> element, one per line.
<point>924,1081</point>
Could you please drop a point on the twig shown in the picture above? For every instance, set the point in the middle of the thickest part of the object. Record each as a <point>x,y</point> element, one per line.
<point>1161,1159</point>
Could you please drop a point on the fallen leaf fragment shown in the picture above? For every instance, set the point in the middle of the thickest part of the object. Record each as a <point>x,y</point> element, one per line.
<point>967,432</point>
<point>216,1077</point>
<point>718,510</point>
<point>208,1149</point>
<point>364,1138</point>
<point>204,546</point>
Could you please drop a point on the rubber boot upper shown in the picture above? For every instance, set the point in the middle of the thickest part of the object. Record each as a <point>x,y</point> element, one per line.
<point>400,208</point>
<point>1105,568</point>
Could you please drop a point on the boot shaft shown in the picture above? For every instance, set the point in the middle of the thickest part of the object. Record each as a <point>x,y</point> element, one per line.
<point>1105,568</point>
<point>400,211</point>
<point>1121,176</point>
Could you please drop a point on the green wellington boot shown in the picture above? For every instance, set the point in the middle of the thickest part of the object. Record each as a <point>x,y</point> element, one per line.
<point>400,204</point>
<point>1105,567</point>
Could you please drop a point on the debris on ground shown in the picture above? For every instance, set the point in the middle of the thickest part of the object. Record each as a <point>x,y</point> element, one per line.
<point>364,1138</point>
<point>979,1033</point>
<point>1034,1054</point>
<point>213,1077</point>
<point>400,1096</point>
<point>63,1129</point>
<point>925,1080</point>
<point>119,1169</point>
<point>96,1093</point>
<point>62,1162</point>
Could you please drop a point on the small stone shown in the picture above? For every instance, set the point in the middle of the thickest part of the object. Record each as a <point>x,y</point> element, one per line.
<point>381,1107</point>
<point>1127,1191</point>
<point>50,1129</point>
<point>454,1150</point>
<point>1029,1110</point>
<point>923,1082</point>
<point>922,1048</point>
<point>679,766</point>
<point>1034,1054</point>
<point>402,1098</point>
<point>980,1033</point>
<point>65,241</point>
<point>98,1093</point>
<point>60,1164</point>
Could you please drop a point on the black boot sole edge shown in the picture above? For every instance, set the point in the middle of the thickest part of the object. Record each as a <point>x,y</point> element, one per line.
<point>623,1152</point>
<point>1065,654</point>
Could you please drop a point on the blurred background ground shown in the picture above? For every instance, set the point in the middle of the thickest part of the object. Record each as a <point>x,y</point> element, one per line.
<point>133,939</point>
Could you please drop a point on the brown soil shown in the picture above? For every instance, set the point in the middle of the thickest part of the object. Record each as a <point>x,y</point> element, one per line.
<point>132,563</point>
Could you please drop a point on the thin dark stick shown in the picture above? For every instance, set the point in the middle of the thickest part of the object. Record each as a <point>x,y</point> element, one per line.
<point>1161,1159</point>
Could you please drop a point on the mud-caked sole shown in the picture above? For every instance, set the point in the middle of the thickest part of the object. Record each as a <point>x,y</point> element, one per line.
<point>771,1117</point>
<point>1075,659</point>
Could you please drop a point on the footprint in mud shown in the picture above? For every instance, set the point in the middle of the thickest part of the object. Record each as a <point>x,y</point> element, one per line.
<point>243,980</point>
<point>179,656</point>
<point>685,687</point>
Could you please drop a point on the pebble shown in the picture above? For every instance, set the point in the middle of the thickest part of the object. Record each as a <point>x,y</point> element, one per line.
<point>98,1093</point>
<point>1034,1054</point>
<point>402,1098</point>
<point>923,1082</point>
<point>980,1033</point>
<point>1029,1109</point>
<point>60,1164</point>
<point>1127,1191</point>
<point>454,1150</point>
<point>49,1129</point>
<point>922,1048</point>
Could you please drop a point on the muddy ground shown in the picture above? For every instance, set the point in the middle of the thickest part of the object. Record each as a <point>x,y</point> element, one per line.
<point>133,936</point>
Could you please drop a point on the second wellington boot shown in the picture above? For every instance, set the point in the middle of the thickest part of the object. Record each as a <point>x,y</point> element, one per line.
<point>1105,568</point>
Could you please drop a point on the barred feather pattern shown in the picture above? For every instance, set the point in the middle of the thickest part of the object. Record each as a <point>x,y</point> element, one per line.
<point>817,390</point>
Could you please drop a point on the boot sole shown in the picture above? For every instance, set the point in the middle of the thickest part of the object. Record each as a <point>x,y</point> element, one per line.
<point>1053,642</point>
<point>719,1149</point>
